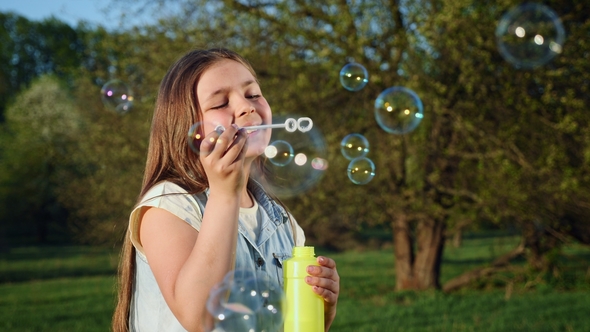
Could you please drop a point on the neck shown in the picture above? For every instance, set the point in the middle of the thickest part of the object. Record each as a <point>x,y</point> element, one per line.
<point>246,201</point>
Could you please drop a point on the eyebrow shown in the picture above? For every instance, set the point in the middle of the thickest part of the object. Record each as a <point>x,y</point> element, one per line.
<point>224,89</point>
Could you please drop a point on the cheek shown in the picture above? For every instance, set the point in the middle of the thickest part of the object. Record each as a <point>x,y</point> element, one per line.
<point>266,137</point>
<point>211,122</point>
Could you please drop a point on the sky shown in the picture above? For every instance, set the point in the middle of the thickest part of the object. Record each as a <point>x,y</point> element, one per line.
<point>96,12</point>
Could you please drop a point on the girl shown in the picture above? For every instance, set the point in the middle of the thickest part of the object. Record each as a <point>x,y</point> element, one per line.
<point>199,215</point>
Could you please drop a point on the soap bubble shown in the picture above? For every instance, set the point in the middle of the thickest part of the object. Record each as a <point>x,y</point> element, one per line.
<point>398,110</point>
<point>530,35</point>
<point>196,135</point>
<point>319,163</point>
<point>246,300</point>
<point>117,96</point>
<point>361,170</point>
<point>354,76</point>
<point>354,146</point>
<point>279,152</point>
<point>300,175</point>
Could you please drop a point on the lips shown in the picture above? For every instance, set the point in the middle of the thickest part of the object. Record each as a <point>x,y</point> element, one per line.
<point>250,131</point>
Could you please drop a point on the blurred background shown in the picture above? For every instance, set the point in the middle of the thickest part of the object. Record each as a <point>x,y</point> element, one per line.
<point>475,214</point>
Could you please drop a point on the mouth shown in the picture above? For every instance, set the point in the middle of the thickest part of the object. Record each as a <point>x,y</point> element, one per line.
<point>250,131</point>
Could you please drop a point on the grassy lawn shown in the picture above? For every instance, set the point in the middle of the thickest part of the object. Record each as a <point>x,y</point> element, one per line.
<point>72,289</point>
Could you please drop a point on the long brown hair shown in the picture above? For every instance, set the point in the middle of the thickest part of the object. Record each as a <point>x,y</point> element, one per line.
<point>169,155</point>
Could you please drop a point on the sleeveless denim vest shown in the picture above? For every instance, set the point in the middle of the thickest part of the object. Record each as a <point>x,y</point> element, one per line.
<point>149,311</point>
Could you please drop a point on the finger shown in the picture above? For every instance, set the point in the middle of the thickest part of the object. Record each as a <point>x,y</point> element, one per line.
<point>326,283</point>
<point>224,141</point>
<point>323,272</point>
<point>208,143</point>
<point>327,294</point>
<point>237,149</point>
<point>326,261</point>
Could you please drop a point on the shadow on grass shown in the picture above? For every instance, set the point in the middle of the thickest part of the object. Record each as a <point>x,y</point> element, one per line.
<point>50,262</point>
<point>24,276</point>
<point>466,262</point>
<point>48,252</point>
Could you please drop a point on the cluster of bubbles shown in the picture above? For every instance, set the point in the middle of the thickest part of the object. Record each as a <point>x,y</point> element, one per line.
<point>117,96</point>
<point>530,35</point>
<point>361,169</point>
<point>245,301</point>
<point>398,110</point>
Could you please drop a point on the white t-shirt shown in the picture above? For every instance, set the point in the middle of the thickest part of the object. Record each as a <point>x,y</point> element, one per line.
<point>174,199</point>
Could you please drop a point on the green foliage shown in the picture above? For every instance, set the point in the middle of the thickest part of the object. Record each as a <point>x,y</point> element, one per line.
<point>41,127</point>
<point>30,49</point>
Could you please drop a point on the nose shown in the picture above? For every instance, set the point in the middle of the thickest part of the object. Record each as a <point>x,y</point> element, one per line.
<point>244,108</point>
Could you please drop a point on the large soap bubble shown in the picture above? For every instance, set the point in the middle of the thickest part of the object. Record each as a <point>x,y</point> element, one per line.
<point>307,161</point>
<point>248,301</point>
<point>530,35</point>
<point>398,110</point>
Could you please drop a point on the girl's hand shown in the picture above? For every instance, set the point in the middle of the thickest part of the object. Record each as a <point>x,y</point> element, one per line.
<point>326,283</point>
<point>222,156</point>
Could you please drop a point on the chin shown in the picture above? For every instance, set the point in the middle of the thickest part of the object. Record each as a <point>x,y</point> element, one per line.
<point>255,152</point>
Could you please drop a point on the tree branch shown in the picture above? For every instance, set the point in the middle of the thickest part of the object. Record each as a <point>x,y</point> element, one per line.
<point>470,276</point>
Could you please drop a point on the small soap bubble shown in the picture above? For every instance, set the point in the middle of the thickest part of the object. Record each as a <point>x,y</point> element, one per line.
<point>279,152</point>
<point>353,146</point>
<point>319,164</point>
<point>117,96</point>
<point>398,110</point>
<point>354,76</point>
<point>530,35</point>
<point>361,170</point>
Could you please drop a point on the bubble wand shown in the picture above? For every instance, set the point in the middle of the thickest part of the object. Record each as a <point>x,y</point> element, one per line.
<point>291,125</point>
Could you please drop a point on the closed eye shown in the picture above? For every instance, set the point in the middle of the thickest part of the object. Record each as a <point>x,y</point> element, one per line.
<point>219,106</point>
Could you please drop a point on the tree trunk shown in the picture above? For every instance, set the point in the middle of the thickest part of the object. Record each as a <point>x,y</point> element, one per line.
<point>540,241</point>
<point>422,270</point>
<point>431,240</point>
<point>404,253</point>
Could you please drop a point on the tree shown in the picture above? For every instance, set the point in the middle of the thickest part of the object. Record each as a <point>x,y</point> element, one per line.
<point>41,127</point>
<point>464,162</point>
<point>30,49</point>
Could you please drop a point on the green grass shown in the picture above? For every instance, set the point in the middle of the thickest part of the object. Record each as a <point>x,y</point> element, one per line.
<point>63,304</point>
<point>72,289</point>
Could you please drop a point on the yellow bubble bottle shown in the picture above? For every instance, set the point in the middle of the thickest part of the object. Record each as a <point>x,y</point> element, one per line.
<point>305,309</point>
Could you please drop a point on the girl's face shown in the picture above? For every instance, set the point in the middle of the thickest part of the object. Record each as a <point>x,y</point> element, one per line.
<point>228,93</point>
